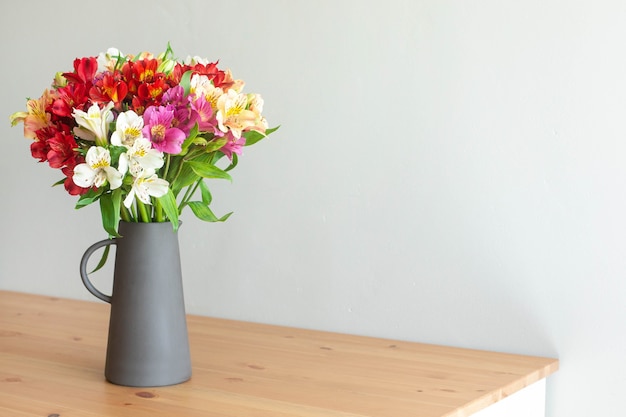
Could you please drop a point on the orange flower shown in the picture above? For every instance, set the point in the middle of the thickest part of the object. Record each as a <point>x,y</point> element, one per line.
<point>36,117</point>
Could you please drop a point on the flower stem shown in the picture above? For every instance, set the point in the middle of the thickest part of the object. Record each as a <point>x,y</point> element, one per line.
<point>143,212</point>
<point>133,213</point>
<point>167,166</point>
<point>125,214</point>
<point>158,211</point>
<point>188,194</point>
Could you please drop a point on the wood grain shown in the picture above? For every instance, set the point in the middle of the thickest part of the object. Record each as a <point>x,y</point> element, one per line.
<point>52,359</point>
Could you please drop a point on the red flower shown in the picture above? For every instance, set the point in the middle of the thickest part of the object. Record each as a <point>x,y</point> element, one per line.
<point>217,76</point>
<point>109,88</point>
<point>39,150</point>
<point>61,150</point>
<point>69,97</point>
<point>150,93</point>
<point>84,71</point>
<point>146,70</point>
<point>145,84</point>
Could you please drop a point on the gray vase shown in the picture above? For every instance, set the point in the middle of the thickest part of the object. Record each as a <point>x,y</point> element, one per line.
<point>148,343</point>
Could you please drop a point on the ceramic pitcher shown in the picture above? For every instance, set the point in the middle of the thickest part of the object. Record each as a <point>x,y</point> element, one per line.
<point>148,342</point>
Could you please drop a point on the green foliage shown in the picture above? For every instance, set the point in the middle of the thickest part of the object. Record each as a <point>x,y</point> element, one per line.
<point>168,202</point>
<point>203,212</point>
<point>208,170</point>
<point>110,207</point>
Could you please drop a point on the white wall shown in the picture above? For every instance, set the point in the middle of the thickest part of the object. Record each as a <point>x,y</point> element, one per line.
<point>446,171</point>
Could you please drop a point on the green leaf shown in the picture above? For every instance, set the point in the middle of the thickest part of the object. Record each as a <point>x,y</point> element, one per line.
<point>88,198</point>
<point>168,202</point>
<point>190,140</point>
<point>203,212</point>
<point>115,152</point>
<point>110,208</point>
<point>271,130</point>
<point>116,199</point>
<point>208,170</point>
<point>233,163</point>
<point>186,177</point>
<point>103,259</point>
<point>252,136</point>
<point>206,194</point>
<point>215,144</point>
<point>185,82</point>
<point>59,182</point>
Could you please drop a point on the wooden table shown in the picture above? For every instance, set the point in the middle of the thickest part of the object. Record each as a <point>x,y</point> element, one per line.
<point>52,353</point>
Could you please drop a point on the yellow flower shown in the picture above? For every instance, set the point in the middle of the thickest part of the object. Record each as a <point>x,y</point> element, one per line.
<point>233,113</point>
<point>36,117</point>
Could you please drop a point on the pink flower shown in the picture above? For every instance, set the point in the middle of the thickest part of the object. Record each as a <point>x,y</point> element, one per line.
<point>206,119</point>
<point>184,116</point>
<point>233,145</point>
<point>158,128</point>
<point>175,96</point>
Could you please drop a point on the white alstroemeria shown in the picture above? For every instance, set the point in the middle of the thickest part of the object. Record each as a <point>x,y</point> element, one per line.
<point>193,60</point>
<point>97,170</point>
<point>233,114</point>
<point>141,160</point>
<point>145,187</point>
<point>94,124</point>
<point>201,86</point>
<point>107,60</point>
<point>127,129</point>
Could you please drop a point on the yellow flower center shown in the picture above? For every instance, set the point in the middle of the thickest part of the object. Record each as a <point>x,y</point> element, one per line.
<point>132,132</point>
<point>158,133</point>
<point>102,163</point>
<point>234,110</point>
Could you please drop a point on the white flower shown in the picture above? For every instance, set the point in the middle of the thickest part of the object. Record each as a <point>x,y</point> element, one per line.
<point>201,86</point>
<point>108,59</point>
<point>193,60</point>
<point>127,129</point>
<point>94,125</point>
<point>141,160</point>
<point>97,170</point>
<point>144,187</point>
<point>233,114</point>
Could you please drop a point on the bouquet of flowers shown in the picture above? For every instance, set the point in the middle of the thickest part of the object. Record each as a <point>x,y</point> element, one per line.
<point>140,134</point>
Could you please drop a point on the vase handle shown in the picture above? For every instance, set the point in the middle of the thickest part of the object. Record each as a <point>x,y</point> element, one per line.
<point>83,269</point>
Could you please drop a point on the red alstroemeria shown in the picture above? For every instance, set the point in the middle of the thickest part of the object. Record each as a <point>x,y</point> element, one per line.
<point>84,71</point>
<point>221,79</point>
<point>145,84</point>
<point>109,88</point>
<point>61,150</point>
<point>137,105</point>
<point>177,73</point>
<point>69,97</point>
<point>39,150</point>
<point>150,93</point>
<point>146,70</point>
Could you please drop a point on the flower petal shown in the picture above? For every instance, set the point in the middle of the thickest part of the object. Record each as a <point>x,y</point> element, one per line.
<point>83,176</point>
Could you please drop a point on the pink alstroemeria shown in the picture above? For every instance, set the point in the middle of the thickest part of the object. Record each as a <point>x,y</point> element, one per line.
<point>159,129</point>
<point>175,96</point>
<point>233,145</point>
<point>184,116</point>
<point>205,116</point>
